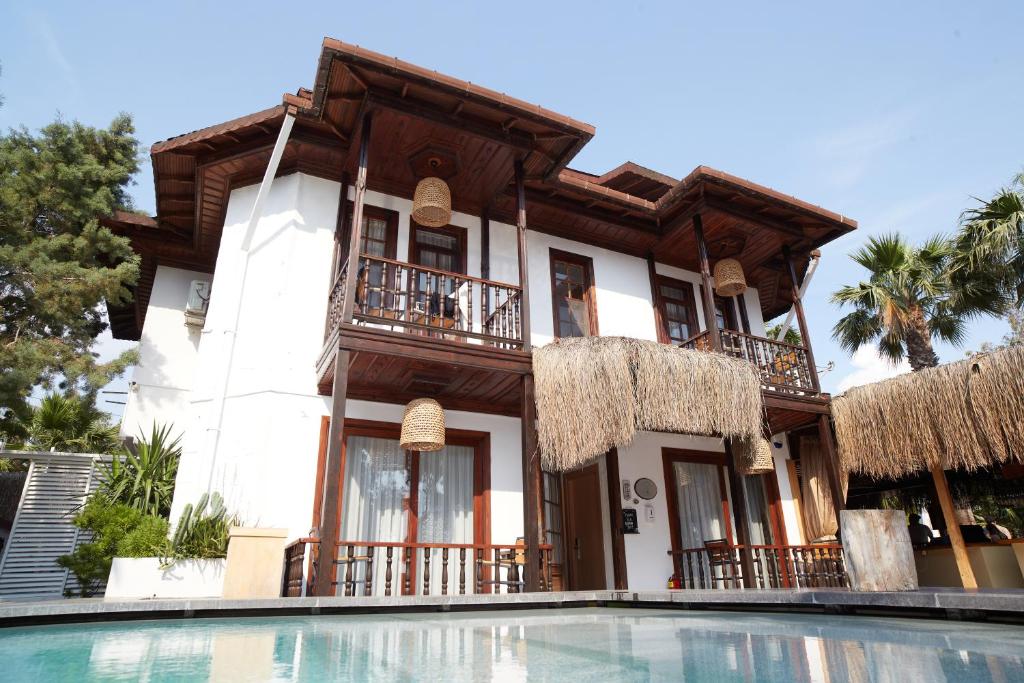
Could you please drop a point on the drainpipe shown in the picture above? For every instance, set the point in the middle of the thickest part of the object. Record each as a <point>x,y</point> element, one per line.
<point>213,433</point>
<point>811,267</point>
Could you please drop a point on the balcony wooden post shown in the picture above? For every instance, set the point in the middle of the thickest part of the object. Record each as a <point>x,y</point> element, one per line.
<point>739,513</point>
<point>524,297</point>
<point>798,306</point>
<point>707,293</point>
<point>330,518</point>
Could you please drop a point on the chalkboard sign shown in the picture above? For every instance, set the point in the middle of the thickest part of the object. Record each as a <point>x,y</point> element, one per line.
<point>629,521</point>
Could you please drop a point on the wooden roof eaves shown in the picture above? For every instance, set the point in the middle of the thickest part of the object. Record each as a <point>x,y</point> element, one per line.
<point>202,134</point>
<point>710,175</point>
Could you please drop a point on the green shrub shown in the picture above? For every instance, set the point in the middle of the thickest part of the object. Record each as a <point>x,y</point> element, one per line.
<point>116,530</point>
<point>148,539</point>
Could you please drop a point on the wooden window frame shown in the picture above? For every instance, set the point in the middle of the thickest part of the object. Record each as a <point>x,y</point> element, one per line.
<point>460,234</point>
<point>728,308</point>
<point>669,456</point>
<point>344,234</point>
<point>479,441</point>
<point>664,280</point>
<point>589,296</point>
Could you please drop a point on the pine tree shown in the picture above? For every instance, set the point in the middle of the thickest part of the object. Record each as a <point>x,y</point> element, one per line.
<point>58,265</point>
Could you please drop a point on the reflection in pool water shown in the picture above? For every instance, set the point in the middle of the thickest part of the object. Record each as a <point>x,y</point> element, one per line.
<point>578,644</point>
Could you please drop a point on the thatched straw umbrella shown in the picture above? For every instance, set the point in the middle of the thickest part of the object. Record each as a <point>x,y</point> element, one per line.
<point>595,393</point>
<point>962,415</point>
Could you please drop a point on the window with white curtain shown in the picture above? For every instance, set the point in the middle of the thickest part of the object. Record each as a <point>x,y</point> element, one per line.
<point>446,512</point>
<point>699,499</point>
<point>378,496</point>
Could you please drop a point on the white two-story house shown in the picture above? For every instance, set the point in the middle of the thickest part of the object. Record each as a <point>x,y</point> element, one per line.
<point>289,376</point>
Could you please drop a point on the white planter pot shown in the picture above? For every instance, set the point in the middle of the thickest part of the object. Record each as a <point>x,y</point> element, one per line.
<point>142,577</point>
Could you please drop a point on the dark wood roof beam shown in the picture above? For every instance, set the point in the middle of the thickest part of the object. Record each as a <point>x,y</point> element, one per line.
<point>536,197</point>
<point>511,138</point>
<point>747,214</point>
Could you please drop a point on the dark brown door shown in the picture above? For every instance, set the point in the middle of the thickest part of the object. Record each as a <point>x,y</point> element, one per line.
<point>584,537</point>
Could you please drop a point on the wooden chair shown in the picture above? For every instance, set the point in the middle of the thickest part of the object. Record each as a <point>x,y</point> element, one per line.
<point>721,556</point>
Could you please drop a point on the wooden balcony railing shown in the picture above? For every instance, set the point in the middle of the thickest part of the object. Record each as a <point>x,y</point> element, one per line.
<point>384,569</point>
<point>427,301</point>
<point>784,367</point>
<point>774,566</point>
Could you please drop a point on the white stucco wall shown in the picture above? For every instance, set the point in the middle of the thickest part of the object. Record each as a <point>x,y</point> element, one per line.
<point>265,455</point>
<point>168,351</point>
<point>648,565</point>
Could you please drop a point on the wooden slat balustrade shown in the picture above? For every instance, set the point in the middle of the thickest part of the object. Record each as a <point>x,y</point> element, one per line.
<point>784,367</point>
<point>385,569</point>
<point>428,301</point>
<point>775,566</point>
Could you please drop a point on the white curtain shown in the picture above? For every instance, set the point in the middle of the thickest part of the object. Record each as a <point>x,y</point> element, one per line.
<point>700,503</point>
<point>758,523</point>
<point>374,506</point>
<point>446,514</point>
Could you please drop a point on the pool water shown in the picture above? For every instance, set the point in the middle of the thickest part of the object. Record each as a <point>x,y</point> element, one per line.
<point>561,645</point>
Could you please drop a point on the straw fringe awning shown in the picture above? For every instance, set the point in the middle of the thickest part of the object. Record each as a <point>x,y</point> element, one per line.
<point>596,393</point>
<point>963,415</point>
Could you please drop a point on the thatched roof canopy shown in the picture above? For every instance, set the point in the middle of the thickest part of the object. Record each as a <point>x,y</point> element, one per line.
<point>595,393</point>
<point>967,414</point>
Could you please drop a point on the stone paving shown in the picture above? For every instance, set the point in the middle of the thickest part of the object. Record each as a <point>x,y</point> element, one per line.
<point>1001,605</point>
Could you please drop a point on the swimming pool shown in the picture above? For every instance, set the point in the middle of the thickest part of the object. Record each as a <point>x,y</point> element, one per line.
<point>568,644</point>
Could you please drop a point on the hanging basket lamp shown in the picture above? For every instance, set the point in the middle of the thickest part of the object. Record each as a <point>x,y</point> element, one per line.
<point>754,456</point>
<point>432,200</point>
<point>423,426</point>
<point>729,279</point>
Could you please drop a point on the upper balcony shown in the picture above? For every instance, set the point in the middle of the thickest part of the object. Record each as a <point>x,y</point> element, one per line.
<point>414,299</point>
<point>784,368</point>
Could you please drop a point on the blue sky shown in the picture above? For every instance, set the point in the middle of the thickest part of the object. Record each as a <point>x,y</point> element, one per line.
<point>892,113</point>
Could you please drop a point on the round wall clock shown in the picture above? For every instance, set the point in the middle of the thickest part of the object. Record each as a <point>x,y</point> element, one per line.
<point>645,488</point>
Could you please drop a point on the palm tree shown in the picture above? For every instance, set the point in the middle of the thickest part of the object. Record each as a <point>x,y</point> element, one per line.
<point>71,425</point>
<point>910,299</point>
<point>991,239</point>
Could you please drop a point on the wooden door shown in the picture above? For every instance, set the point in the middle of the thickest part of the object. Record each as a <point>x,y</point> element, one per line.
<point>584,535</point>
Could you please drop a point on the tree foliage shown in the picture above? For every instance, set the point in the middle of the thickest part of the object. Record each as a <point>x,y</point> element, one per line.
<point>71,424</point>
<point>57,263</point>
<point>911,298</point>
<point>991,240</point>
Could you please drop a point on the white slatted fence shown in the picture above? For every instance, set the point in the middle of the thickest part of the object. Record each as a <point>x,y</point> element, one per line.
<point>56,487</point>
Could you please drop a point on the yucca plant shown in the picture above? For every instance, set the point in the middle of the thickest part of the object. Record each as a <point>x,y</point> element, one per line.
<point>144,479</point>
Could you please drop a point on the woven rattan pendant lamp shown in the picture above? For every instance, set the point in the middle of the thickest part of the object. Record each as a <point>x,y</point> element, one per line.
<point>432,200</point>
<point>754,456</point>
<point>729,278</point>
<point>423,426</point>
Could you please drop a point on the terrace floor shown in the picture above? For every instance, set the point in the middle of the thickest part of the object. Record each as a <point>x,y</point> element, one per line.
<point>955,604</point>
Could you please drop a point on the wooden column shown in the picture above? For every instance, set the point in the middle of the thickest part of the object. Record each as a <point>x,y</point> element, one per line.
<point>532,485</point>
<point>533,533</point>
<point>798,306</point>
<point>706,291</point>
<point>956,539</point>
<point>524,302</point>
<point>330,518</point>
<point>739,515</point>
<point>831,455</point>
<point>611,460</point>
<point>485,244</point>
